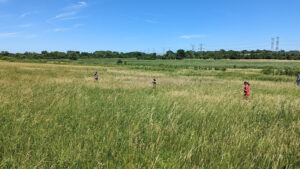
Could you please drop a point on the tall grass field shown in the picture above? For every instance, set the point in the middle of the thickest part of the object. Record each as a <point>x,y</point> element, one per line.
<point>58,116</point>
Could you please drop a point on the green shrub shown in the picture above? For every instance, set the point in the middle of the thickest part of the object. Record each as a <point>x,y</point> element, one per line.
<point>285,71</point>
<point>119,61</point>
<point>223,69</point>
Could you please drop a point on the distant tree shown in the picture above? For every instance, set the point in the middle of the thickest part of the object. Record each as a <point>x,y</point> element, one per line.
<point>170,55</point>
<point>190,54</point>
<point>115,55</point>
<point>154,56</point>
<point>19,56</point>
<point>98,54</point>
<point>108,54</point>
<point>44,52</point>
<point>85,55</point>
<point>73,55</point>
<point>180,54</point>
<point>4,53</point>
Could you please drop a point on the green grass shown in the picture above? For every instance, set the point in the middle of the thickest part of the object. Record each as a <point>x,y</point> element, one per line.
<point>57,116</point>
<point>254,64</point>
<point>218,63</point>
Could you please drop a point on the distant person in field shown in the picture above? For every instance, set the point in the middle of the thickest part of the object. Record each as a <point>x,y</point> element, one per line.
<point>154,82</point>
<point>96,76</point>
<point>246,90</point>
<point>298,80</point>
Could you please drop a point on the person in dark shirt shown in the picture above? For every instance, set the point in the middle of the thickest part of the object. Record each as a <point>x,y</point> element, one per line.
<point>96,76</point>
<point>154,82</point>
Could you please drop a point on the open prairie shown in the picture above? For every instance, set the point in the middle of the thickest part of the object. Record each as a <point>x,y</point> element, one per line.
<point>57,116</point>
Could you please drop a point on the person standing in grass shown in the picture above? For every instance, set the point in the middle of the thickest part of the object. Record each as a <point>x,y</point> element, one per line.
<point>96,76</point>
<point>154,82</point>
<point>298,80</point>
<point>246,90</point>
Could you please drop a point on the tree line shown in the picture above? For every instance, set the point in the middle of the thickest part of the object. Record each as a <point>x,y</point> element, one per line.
<point>178,55</point>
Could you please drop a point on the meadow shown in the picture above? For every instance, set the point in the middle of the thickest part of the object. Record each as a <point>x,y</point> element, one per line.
<point>243,63</point>
<point>57,116</point>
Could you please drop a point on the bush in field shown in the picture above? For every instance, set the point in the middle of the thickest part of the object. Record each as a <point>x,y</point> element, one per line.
<point>119,61</point>
<point>285,71</point>
<point>268,71</point>
<point>10,59</point>
<point>73,58</point>
<point>220,68</point>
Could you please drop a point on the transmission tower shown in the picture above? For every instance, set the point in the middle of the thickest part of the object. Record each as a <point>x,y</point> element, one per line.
<point>277,43</point>
<point>193,47</point>
<point>272,44</point>
<point>201,47</point>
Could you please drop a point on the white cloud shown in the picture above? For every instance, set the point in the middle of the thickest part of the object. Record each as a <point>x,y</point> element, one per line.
<point>17,35</point>
<point>77,25</point>
<point>64,15</point>
<point>192,36</point>
<point>67,29</point>
<point>2,1</point>
<point>71,12</point>
<point>9,35</point>
<point>25,25</point>
<point>23,15</point>
<point>71,18</point>
<point>78,5</point>
<point>30,36</point>
<point>60,29</point>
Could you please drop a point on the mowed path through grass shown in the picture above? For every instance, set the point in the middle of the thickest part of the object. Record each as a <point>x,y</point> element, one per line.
<point>57,116</point>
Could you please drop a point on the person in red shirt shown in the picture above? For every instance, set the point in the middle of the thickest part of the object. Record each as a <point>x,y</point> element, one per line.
<point>246,90</point>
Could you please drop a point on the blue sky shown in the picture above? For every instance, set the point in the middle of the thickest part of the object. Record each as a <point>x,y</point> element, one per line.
<point>147,25</point>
